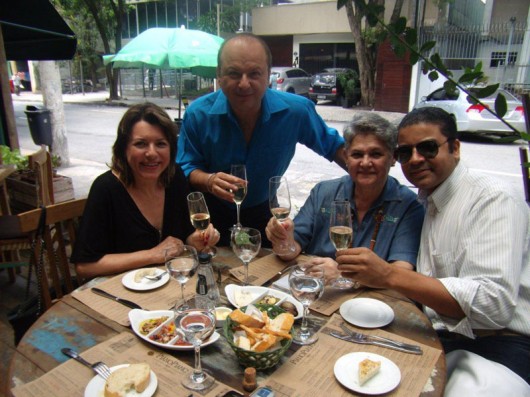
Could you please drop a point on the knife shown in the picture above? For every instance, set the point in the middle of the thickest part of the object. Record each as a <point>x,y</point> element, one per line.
<point>113,297</point>
<point>391,341</point>
<point>376,343</point>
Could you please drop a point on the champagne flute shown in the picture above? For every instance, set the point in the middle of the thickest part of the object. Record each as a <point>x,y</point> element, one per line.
<point>240,171</point>
<point>280,206</point>
<point>306,288</point>
<point>246,243</point>
<point>196,325</point>
<point>181,265</point>
<point>341,235</point>
<point>200,217</point>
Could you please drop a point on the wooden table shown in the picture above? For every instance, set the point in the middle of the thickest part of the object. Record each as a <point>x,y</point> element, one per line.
<point>70,321</point>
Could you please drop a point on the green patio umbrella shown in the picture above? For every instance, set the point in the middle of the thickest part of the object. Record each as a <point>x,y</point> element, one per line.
<point>170,48</point>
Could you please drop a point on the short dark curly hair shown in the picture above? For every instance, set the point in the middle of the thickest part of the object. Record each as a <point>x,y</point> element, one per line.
<point>154,115</point>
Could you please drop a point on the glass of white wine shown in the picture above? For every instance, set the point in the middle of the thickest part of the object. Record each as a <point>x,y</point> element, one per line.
<point>341,235</point>
<point>306,287</point>
<point>200,217</point>
<point>280,206</point>
<point>240,171</point>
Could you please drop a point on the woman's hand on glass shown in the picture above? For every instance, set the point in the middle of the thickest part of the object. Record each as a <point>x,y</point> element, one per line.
<point>280,233</point>
<point>203,238</point>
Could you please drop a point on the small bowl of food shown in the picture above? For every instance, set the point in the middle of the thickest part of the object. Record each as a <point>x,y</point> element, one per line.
<point>221,313</point>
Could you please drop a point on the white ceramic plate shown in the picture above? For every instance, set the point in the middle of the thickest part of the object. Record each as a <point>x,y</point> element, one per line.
<point>144,284</point>
<point>136,316</point>
<point>366,312</point>
<point>254,293</point>
<point>346,370</point>
<point>97,384</point>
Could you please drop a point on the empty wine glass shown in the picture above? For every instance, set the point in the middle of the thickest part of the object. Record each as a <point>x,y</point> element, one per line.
<point>306,287</point>
<point>341,235</point>
<point>280,206</point>
<point>200,217</point>
<point>196,325</point>
<point>240,171</point>
<point>246,243</point>
<point>181,265</point>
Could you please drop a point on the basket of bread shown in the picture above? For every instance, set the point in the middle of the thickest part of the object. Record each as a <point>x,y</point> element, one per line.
<point>259,334</point>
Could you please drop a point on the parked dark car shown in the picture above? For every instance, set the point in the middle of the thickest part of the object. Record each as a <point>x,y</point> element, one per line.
<point>325,86</point>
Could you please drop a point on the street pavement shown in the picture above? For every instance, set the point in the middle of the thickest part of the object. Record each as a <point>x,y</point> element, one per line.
<point>306,169</point>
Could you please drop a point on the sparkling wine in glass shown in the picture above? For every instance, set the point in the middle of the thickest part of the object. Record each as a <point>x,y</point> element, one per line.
<point>181,265</point>
<point>246,243</point>
<point>196,325</point>
<point>240,171</point>
<point>200,217</point>
<point>341,235</point>
<point>306,287</point>
<point>280,206</point>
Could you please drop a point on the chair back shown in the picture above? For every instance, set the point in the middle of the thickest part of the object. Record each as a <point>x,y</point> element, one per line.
<point>41,163</point>
<point>57,278</point>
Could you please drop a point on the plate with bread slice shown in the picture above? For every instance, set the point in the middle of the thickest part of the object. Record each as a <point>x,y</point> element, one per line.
<point>367,373</point>
<point>241,296</point>
<point>125,380</point>
<point>135,279</point>
<point>157,327</point>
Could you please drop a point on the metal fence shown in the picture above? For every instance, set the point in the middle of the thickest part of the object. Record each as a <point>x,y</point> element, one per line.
<point>503,49</point>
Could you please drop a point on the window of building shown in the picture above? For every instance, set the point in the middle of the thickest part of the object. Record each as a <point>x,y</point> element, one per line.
<point>499,57</point>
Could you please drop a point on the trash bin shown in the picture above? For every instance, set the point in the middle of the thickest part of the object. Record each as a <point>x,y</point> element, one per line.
<point>39,125</point>
<point>178,122</point>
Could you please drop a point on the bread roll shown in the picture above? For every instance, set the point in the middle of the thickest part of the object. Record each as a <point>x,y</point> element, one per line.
<point>122,380</point>
<point>244,319</point>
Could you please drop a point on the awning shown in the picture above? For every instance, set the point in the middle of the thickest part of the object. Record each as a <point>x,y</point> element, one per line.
<point>34,30</point>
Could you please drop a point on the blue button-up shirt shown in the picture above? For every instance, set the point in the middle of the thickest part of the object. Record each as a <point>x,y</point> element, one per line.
<point>211,140</point>
<point>399,234</point>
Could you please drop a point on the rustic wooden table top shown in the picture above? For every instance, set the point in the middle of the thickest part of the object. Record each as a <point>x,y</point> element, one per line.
<point>70,322</point>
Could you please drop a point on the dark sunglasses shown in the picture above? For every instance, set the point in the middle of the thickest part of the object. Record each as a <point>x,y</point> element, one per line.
<point>427,149</point>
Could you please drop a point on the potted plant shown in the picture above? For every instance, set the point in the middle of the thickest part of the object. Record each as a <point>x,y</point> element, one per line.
<point>349,85</point>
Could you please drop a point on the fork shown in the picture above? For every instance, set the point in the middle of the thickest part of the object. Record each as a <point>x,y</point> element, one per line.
<point>357,336</point>
<point>157,277</point>
<point>99,367</point>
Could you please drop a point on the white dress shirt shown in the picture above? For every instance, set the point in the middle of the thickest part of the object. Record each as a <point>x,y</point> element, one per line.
<point>475,240</point>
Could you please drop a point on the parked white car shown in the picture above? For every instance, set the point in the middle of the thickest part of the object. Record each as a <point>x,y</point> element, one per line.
<point>293,80</point>
<point>474,118</point>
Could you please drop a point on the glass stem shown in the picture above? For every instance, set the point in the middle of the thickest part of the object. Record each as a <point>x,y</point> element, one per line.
<point>246,273</point>
<point>182,295</point>
<point>238,207</point>
<point>197,371</point>
<point>304,330</point>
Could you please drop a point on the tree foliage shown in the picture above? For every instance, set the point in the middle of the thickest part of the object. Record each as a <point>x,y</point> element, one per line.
<point>404,40</point>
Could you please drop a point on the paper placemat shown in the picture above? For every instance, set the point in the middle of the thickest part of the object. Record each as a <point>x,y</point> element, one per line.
<point>264,269</point>
<point>309,372</point>
<point>71,378</point>
<point>331,300</point>
<point>162,298</point>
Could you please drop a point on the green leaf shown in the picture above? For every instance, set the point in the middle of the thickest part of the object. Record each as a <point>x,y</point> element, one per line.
<point>400,25</point>
<point>486,91</point>
<point>501,107</point>
<point>427,46</point>
<point>478,67</point>
<point>411,37</point>
<point>433,75</point>
<point>242,238</point>
<point>450,87</point>
<point>470,77</point>
<point>414,58</point>
<point>525,136</point>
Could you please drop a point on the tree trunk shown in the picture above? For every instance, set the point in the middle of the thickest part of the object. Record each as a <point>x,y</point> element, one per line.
<point>50,80</point>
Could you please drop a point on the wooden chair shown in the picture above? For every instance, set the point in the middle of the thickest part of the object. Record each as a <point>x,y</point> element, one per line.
<point>12,238</point>
<point>56,278</point>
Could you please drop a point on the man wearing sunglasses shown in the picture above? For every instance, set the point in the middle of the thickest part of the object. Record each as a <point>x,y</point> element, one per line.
<point>473,272</point>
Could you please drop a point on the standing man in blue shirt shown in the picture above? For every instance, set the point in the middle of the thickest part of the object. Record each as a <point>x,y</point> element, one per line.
<point>247,123</point>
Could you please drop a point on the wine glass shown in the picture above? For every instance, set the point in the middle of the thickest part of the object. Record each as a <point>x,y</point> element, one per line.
<point>246,243</point>
<point>280,206</point>
<point>306,287</point>
<point>196,325</point>
<point>181,265</point>
<point>240,171</point>
<point>200,217</point>
<point>341,235</point>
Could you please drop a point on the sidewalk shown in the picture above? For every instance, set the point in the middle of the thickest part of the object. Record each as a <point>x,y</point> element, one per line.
<point>305,170</point>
